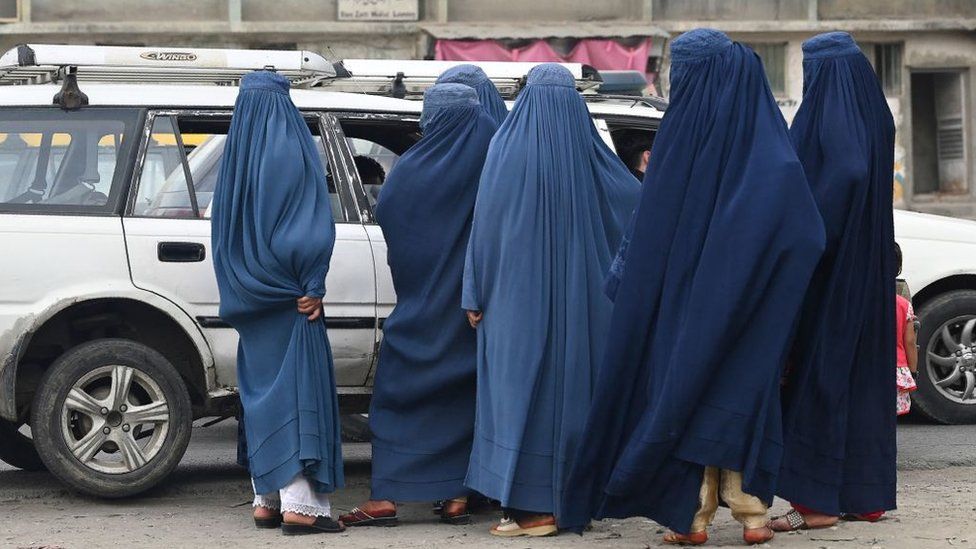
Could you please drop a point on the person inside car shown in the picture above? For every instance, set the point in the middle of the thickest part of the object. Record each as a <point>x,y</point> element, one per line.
<point>634,148</point>
<point>372,174</point>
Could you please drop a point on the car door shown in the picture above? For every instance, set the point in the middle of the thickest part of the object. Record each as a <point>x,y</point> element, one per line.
<point>167,230</point>
<point>371,144</point>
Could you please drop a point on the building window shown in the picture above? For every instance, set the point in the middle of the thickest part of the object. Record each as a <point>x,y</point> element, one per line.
<point>9,11</point>
<point>886,59</point>
<point>887,63</point>
<point>773,57</point>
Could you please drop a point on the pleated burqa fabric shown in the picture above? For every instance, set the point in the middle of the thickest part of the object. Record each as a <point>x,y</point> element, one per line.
<point>473,76</point>
<point>272,240</point>
<point>840,395</point>
<point>721,250</point>
<point>422,412</point>
<point>551,209</point>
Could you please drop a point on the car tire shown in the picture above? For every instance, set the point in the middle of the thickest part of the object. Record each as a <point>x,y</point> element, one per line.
<point>17,449</point>
<point>953,309</point>
<point>71,418</point>
<point>355,428</point>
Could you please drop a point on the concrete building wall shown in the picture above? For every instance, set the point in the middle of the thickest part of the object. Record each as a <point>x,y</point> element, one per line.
<point>895,9</point>
<point>545,10</point>
<point>61,11</point>
<point>729,10</point>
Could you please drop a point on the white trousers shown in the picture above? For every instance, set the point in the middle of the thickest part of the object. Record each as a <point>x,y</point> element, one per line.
<point>297,496</point>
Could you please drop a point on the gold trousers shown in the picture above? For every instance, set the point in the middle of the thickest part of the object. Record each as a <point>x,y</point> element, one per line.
<point>748,510</point>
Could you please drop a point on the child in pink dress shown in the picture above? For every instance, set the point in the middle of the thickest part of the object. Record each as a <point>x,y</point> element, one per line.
<point>907,352</point>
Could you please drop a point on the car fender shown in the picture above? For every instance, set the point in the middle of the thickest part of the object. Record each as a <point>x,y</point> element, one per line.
<point>17,334</point>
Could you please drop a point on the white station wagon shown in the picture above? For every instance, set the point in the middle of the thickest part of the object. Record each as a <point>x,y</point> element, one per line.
<point>110,339</point>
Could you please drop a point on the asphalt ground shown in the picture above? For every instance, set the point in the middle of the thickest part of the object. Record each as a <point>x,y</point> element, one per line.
<point>206,503</point>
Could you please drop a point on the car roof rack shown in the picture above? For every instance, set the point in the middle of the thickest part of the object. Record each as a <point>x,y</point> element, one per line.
<point>44,64</point>
<point>409,78</point>
<point>652,101</point>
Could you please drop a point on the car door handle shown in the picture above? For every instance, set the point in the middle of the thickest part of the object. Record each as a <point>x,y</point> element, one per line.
<point>181,252</point>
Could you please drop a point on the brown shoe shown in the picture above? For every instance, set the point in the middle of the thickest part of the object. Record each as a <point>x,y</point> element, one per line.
<point>358,517</point>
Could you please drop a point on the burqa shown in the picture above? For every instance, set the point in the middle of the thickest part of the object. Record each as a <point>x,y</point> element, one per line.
<point>721,250</point>
<point>472,75</point>
<point>551,209</point>
<point>422,412</point>
<point>839,426</point>
<point>272,240</point>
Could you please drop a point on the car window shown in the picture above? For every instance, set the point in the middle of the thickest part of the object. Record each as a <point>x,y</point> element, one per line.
<point>376,145</point>
<point>185,145</point>
<point>633,144</point>
<point>63,160</point>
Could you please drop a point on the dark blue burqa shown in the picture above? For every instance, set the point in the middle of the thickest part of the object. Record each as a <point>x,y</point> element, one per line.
<point>552,206</point>
<point>839,425</point>
<point>472,75</point>
<point>272,240</point>
<point>422,412</point>
<point>721,251</point>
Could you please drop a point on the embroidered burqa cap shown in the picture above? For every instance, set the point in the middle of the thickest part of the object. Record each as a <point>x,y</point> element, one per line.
<point>474,76</point>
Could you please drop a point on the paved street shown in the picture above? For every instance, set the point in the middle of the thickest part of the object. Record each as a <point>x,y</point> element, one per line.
<point>206,503</point>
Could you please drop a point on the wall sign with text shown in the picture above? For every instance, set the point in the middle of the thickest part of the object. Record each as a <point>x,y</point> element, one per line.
<point>378,10</point>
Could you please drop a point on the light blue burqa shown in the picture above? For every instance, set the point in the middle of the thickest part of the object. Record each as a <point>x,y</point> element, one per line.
<point>551,208</point>
<point>272,240</point>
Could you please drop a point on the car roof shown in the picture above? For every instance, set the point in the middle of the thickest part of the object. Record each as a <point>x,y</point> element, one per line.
<point>223,97</point>
<point>198,96</point>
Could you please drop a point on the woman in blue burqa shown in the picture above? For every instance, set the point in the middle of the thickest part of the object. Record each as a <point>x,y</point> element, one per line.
<point>272,239</point>
<point>422,411</point>
<point>839,426</point>
<point>550,212</point>
<point>472,75</point>
<point>725,240</point>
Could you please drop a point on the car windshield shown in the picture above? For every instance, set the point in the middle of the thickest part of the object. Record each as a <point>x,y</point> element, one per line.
<point>51,159</point>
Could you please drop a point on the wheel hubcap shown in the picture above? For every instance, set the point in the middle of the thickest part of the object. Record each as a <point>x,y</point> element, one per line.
<point>115,419</point>
<point>951,360</point>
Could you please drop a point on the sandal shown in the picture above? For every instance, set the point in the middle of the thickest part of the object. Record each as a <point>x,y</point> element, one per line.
<point>455,511</point>
<point>322,525</point>
<point>755,536</point>
<point>694,538</point>
<point>796,521</point>
<point>358,517</point>
<point>870,517</point>
<point>510,528</point>
<point>274,521</point>
<point>268,523</point>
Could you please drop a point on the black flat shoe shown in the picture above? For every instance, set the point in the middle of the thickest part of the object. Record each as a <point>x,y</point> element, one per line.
<point>322,525</point>
<point>268,523</point>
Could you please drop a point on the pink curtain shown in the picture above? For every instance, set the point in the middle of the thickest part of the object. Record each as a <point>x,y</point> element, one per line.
<point>599,53</point>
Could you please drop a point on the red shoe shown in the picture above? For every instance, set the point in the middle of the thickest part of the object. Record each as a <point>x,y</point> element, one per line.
<point>755,536</point>
<point>694,538</point>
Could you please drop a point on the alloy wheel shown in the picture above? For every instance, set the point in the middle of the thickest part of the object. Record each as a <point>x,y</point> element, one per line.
<point>115,419</point>
<point>951,360</point>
